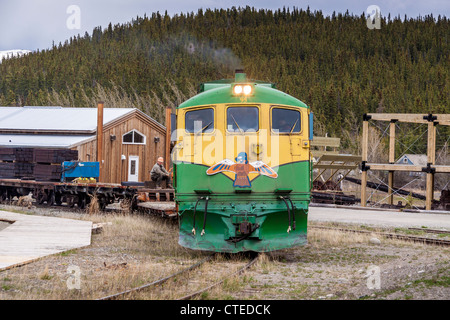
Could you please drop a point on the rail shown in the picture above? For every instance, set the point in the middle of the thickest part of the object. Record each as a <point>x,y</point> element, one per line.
<point>178,273</point>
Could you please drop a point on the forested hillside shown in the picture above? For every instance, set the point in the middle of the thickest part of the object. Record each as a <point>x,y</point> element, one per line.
<point>335,64</point>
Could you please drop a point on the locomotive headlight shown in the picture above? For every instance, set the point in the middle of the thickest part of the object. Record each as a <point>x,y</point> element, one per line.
<point>238,89</point>
<point>247,89</point>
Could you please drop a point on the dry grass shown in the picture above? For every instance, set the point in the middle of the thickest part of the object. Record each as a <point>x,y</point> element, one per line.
<point>93,207</point>
<point>323,237</point>
<point>208,274</point>
<point>133,250</point>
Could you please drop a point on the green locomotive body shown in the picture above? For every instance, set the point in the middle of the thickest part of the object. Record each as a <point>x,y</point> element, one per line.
<point>242,168</point>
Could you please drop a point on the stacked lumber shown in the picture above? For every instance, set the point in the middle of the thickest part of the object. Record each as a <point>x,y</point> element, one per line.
<point>16,154</point>
<point>48,163</point>
<point>16,169</point>
<point>16,162</point>
<point>7,170</point>
<point>54,155</point>
<point>47,172</point>
<point>40,164</point>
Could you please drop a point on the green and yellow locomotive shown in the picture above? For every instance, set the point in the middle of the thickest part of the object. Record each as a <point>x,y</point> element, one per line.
<point>242,167</point>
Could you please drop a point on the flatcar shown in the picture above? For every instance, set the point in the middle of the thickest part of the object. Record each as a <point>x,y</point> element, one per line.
<point>71,182</point>
<point>55,193</point>
<point>242,167</point>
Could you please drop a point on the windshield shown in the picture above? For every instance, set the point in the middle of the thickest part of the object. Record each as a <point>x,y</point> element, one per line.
<point>200,121</point>
<point>242,119</point>
<point>285,120</point>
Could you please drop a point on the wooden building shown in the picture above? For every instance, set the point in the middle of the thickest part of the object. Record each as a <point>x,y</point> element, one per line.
<point>130,140</point>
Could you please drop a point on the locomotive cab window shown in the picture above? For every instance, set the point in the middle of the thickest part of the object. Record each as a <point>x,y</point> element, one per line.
<point>286,120</point>
<point>200,121</point>
<point>242,119</point>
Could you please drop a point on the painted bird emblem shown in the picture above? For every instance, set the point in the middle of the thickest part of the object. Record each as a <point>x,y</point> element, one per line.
<point>242,168</point>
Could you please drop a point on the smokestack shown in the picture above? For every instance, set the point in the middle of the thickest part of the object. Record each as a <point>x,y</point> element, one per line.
<point>100,136</point>
<point>240,76</point>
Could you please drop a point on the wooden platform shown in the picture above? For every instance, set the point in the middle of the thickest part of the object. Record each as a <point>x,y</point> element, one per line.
<point>166,209</point>
<point>32,237</point>
<point>156,195</point>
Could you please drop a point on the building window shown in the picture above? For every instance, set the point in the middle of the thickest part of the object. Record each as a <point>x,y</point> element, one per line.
<point>133,137</point>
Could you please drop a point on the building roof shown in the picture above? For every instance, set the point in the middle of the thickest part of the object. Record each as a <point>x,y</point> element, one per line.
<point>415,159</point>
<point>41,141</point>
<point>59,127</point>
<point>56,118</point>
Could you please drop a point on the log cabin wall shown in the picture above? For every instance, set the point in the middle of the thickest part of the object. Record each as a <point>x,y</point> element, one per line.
<point>114,169</point>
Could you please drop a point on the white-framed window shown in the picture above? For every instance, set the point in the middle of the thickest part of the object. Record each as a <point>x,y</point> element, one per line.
<point>133,137</point>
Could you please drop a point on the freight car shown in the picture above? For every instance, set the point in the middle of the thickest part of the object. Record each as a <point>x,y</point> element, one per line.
<point>55,193</point>
<point>242,167</point>
<point>53,177</point>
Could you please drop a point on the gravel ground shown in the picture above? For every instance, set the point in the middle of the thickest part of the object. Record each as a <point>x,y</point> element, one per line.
<point>333,265</point>
<point>389,270</point>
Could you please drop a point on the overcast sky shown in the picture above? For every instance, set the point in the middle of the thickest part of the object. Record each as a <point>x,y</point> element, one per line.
<point>35,24</point>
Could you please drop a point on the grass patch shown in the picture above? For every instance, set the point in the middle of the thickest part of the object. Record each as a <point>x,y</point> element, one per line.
<point>434,282</point>
<point>68,253</point>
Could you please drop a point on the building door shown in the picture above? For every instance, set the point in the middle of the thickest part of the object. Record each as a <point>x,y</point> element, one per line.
<point>133,168</point>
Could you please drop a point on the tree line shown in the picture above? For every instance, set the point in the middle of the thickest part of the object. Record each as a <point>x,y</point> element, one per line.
<point>335,64</point>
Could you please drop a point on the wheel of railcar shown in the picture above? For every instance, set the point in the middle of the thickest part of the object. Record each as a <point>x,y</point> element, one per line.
<point>71,201</point>
<point>3,195</point>
<point>102,203</point>
<point>58,199</point>
<point>81,202</point>
<point>41,198</point>
<point>134,203</point>
<point>51,198</point>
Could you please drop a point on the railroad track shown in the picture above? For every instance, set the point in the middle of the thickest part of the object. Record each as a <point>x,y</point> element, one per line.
<point>64,206</point>
<point>178,277</point>
<point>424,240</point>
<point>436,231</point>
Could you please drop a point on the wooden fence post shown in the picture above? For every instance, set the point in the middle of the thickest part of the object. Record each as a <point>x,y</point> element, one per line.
<point>364,154</point>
